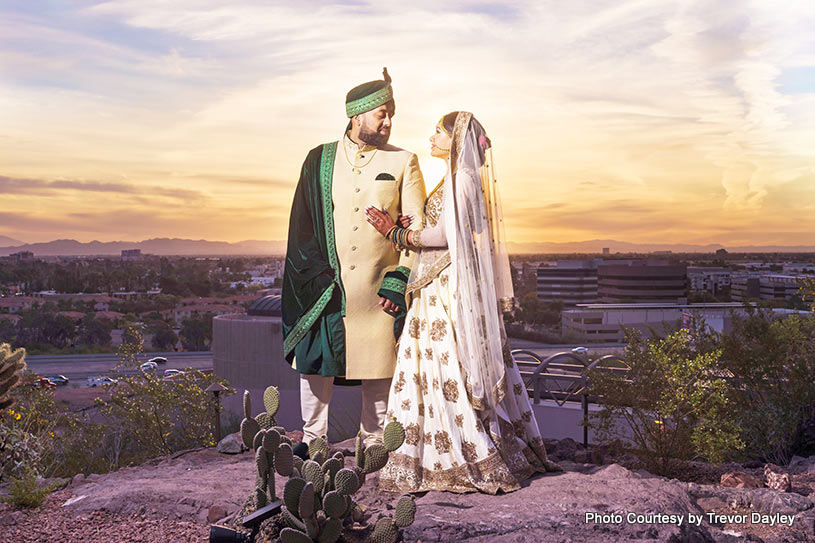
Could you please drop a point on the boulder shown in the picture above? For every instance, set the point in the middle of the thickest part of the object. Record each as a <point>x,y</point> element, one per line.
<point>231,444</point>
<point>777,478</point>
<point>740,479</point>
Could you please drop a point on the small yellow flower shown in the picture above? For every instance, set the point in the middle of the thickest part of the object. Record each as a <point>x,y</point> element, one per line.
<point>17,416</point>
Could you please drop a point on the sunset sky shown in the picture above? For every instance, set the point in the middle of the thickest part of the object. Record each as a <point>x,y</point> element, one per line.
<point>642,121</point>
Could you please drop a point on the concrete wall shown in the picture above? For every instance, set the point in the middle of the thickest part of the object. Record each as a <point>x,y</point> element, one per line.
<point>247,351</point>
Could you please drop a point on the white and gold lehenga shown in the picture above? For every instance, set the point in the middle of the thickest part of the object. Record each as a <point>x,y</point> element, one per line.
<point>468,422</point>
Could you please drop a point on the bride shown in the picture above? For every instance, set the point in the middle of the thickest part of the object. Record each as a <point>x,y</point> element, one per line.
<point>456,389</point>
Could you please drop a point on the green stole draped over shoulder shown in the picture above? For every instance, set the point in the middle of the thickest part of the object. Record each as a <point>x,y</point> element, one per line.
<point>313,302</point>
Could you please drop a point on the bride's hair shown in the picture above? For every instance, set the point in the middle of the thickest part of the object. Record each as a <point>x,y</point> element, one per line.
<point>449,122</point>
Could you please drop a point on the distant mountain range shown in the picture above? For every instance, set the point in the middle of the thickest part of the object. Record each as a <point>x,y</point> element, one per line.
<point>191,247</point>
<point>5,240</point>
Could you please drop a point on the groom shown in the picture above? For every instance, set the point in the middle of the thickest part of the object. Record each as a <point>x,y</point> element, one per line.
<point>340,274</point>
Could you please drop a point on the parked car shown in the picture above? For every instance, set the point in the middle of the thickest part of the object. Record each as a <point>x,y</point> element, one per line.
<point>172,373</point>
<point>42,382</point>
<point>59,380</point>
<point>101,381</point>
<point>583,351</point>
<point>158,360</point>
<point>149,366</point>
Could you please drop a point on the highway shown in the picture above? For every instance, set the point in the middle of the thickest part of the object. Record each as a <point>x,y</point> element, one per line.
<point>79,367</point>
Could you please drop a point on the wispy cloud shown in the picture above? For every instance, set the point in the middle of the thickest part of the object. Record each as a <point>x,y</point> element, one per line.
<point>694,114</point>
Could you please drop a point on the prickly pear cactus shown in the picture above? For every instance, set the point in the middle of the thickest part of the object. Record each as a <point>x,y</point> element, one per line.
<point>318,495</point>
<point>12,364</point>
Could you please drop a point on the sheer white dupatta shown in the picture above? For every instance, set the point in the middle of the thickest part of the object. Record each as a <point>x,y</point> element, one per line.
<point>476,241</point>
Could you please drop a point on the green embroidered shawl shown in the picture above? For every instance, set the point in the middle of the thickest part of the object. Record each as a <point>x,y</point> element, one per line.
<point>313,298</point>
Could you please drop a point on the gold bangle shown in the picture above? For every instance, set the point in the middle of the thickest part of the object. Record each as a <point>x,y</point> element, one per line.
<point>392,228</point>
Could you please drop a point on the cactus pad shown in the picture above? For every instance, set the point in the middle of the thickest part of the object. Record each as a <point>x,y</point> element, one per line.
<point>249,429</point>
<point>298,463</point>
<point>258,440</point>
<point>290,535</point>
<point>283,460</point>
<point>359,451</point>
<point>261,500</point>
<point>313,473</point>
<point>394,436</point>
<point>291,520</point>
<point>317,444</point>
<point>263,464</point>
<point>306,505</point>
<point>291,494</point>
<point>264,420</point>
<point>332,466</point>
<point>271,440</point>
<point>346,481</point>
<point>334,504</point>
<point>271,400</point>
<point>376,456</point>
<point>405,512</point>
<point>331,532</point>
<point>247,404</point>
<point>385,531</point>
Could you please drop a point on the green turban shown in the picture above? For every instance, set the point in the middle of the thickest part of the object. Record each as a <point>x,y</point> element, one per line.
<point>369,95</point>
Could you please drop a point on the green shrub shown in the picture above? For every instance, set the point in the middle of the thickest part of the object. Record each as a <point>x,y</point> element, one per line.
<point>672,402</point>
<point>158,416</point>
<point>773,364</point>
<point>26,491</point>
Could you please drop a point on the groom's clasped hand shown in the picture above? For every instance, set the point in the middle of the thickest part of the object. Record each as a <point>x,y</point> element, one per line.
<point>382,221</point>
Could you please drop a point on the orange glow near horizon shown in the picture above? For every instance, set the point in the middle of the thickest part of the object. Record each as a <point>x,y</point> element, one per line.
<point>646,123</point>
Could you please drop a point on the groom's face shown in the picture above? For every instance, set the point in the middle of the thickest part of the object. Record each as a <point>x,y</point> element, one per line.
<point>375,125</point>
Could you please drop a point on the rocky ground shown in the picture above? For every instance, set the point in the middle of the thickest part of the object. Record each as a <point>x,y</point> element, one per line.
<point>176,498</point>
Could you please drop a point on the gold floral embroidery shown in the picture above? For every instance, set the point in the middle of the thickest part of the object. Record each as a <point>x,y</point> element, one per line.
<point>424,324</point>
<point>508,362</point>
<point>390,415</point>
<point>413,328</point>
<point>441,440</point>
<point>460,421</point>
<point>518,389</point>
<point>438,330</point>
<point>526,416</point>
<point>407,352</point>
<point>468,450</point>
<point>406,404</point>
<point>428,353</point>
<point>412,434</point>
<point>444,358</point>
<point>444,280</point>
<point>431,300</point>
<point>491,451</point>
<point>430,410</point>
<point>400,383</point>
<point>420,408</point>
<point>428,438</point>
<point>450,390</point>
<point>435,383</point>
<point>519,428</point>
<point>421,382</point>
<point>407,474</point>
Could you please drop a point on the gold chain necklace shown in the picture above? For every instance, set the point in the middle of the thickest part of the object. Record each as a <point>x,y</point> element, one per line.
<point>354,166</point>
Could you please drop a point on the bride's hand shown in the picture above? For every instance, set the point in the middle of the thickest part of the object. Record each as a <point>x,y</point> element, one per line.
<point>379,220</point>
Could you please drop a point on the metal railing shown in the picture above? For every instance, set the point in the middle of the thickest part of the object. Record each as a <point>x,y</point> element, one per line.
<point>563,377</point>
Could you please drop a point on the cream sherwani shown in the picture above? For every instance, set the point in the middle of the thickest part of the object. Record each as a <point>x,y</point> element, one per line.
<point>386,177</point>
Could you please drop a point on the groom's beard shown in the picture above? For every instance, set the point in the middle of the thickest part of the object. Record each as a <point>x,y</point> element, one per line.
<point>373,138</point>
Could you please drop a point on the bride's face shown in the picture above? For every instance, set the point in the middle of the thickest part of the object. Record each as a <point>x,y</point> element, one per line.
<point>440,143</point>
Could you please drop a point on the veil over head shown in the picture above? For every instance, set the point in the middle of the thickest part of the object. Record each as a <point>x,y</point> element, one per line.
<point>474,227</point>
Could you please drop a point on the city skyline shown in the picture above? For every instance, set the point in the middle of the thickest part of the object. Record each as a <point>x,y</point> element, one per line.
<point>635,121</point>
